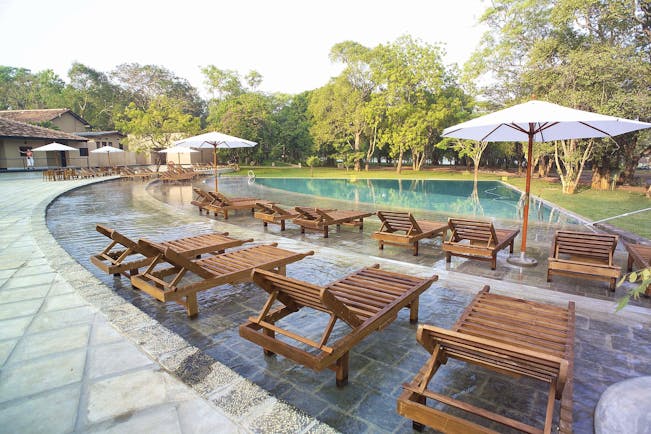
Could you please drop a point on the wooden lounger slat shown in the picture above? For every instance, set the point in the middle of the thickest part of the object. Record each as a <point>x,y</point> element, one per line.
<point>402,229</point>
<point>364,308</point>
<point>534,349</point>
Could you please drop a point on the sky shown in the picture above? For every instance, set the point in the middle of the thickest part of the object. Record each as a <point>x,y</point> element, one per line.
<point>287,41</point>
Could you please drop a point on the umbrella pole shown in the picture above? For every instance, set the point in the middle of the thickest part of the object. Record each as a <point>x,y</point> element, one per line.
<point>214,165</point>
<point>522,259</point>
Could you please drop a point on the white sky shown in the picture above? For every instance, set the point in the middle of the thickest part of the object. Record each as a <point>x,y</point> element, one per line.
<point>287,41</point>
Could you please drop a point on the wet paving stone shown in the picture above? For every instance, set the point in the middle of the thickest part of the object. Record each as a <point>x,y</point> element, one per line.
<point>606,350</point>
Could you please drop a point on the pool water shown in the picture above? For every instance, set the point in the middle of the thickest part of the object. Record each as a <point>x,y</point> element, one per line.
<point>489,199</point>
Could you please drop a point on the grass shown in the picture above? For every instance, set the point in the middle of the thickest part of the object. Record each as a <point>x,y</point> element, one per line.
<point>590,204</point>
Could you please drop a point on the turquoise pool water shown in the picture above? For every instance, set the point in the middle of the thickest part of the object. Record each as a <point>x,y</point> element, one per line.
<point>492,198</point>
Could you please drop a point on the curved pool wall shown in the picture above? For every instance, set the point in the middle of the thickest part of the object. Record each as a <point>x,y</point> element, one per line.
<point>367,404</point>
<point>488,199</point>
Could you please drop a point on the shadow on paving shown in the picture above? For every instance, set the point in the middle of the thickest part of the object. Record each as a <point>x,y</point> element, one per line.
<point>605,352</point>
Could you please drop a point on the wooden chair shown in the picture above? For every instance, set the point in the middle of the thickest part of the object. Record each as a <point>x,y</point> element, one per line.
<point>272,213</point>
<point>510,336</point>
<point>186,277</point>
<point>202,200</point>
<point>125,256</point>
<point>584,254</point>
<point>477,239</point>
<point>402,229</point>
<point>319,219</point>
<point>222,204</point>
<point>639,255</point>
<point>366,300</point>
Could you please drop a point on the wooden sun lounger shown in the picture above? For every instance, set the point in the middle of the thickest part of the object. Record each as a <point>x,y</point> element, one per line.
<point>367,300</point>
<point>510,336</point>
<point>402,229</point>
<point>319,219</point>
<point>584,254</point>
<point>639,255</point>
<point>125,256</point>
<point>222,204</point>
<point>182,282</point>
<point>272,213</point>
<point>477,239</point>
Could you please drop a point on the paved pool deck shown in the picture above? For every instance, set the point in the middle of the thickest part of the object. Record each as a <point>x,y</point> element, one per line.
<point>84,360</point>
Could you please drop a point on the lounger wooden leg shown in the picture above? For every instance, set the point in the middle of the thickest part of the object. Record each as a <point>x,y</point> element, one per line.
<point>272,335</point>
<point>629,265</point>
<point>381,245</point>
<point>282,225</point>
<point>342,370</point>
<point>325,231</point>
<point>494,263</point>
<point>192,307</point>
<point>264,224</point>
<point>413,311</point>
<point>511,247</point>
<point>448,257</point>
<point>225,214</point>
<point>416,425</point>
<point>549,276</point>
<point>416,248</point>
<point>613,283</point>
<point>302,229</point>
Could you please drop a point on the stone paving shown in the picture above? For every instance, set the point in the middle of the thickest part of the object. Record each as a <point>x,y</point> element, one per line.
<point>241,389</point>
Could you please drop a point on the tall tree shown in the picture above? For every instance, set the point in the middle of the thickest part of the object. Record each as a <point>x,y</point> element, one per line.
<point>145,83</point>
<point>156,126</point>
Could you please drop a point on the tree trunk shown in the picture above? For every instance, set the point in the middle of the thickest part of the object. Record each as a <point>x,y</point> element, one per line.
<point>399,162</point>
<point>601,176</point>
<point>541,166</point>
<point>631,160</point>
<point>648,192</point>
<point>357,140</point>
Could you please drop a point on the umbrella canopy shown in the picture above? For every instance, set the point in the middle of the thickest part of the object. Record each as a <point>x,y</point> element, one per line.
<point>539,121</point>
<point>108,150</point>
<point>216,141</point>
<point>178,150</point>
<point>54,146</point>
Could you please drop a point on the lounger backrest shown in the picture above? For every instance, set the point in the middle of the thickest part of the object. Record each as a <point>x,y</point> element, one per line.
<point>174,258</point>
<point>473,230</point>
<point>279,210</point>
<point>600,247</point>
<point>117,237</point>
<point>264,208</point>
<point>308,213</point>
<point>296,293</point>
<point>395,221</point>
<point>220,197</point>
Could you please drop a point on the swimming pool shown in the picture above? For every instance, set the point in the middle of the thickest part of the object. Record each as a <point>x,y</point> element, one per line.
<point>492,198</point>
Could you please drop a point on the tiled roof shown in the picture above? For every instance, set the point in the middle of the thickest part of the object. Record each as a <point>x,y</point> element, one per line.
<point>21,130</point>
<point>99,133</point>
<point>39,115</point>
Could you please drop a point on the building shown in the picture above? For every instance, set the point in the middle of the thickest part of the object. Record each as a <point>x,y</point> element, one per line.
<point>59,119</point>
<point>17,137</point>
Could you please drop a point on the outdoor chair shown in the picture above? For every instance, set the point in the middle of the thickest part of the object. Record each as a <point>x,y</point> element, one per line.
<point>584,254</point>
<point>402,229</point>
<point>367,300</point>
<point>272,213</point>
<point>504,334</point>
<point>319,219</point>
<point>186,277</point>
<point>639,255</point>
<point>477,239</point>
<point>222,204</point>
<point>125,256</point>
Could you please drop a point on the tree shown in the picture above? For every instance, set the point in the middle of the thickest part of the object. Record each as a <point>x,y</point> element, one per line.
<point>312,161</point>
<point>21,89</point>
<point>158,125</point>
<point>145,83</point>
<point>570,157</point>
<point>92,96</point>
<point>466,148</point>
<point>291,127</point>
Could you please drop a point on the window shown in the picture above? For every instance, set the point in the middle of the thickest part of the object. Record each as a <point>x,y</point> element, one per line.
<point>83,152</point>
<point>103,143</point>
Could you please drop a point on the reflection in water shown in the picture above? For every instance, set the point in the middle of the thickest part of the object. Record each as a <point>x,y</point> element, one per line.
<point>484,198</point>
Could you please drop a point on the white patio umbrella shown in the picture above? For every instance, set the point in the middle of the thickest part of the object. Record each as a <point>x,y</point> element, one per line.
<point>108,150</point>
<point>216,141</point>
<point>54,146</point>
<point>539,121</point>
<point>178,150</point>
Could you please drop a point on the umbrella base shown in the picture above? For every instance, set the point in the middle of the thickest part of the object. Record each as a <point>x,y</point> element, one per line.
<point>522,260</point>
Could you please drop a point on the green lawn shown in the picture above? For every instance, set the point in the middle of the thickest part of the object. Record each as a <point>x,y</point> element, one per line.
<point>591,204</point>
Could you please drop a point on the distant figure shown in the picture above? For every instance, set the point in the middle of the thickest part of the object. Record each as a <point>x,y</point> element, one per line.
<point>30,159</point>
